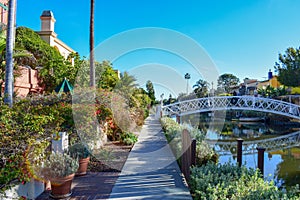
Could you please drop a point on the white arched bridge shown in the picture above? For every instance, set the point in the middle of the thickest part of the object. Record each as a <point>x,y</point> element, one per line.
<point>216,103</point>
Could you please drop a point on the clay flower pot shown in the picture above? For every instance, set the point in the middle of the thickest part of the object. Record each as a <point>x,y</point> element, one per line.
<point>61,187</point>
<point>83,164</point>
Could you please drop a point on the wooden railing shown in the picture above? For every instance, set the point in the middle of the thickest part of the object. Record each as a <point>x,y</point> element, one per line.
<point>188,157</point>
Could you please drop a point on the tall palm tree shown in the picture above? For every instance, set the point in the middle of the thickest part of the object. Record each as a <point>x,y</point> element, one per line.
<point>8,92</point>
<point>92,57</point>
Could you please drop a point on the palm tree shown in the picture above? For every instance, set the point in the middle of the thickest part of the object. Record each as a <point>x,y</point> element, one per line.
<point>8,92</point>
<point>187,76</point>
<point>127,83</point>
<point>201,88</point>
<point>125,87</point>
<point>92,57</point>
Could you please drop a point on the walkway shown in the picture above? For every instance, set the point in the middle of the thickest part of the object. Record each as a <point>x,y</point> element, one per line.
<point>151,170</point>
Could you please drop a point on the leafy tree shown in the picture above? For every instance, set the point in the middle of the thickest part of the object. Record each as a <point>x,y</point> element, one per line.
<point>150,91</point>
<point>201,88</point>
<point>289,67</point>
<point>226,81</point>
<point>108,77</point>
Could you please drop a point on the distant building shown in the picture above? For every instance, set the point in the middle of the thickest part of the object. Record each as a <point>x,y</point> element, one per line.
<point>272,81</point>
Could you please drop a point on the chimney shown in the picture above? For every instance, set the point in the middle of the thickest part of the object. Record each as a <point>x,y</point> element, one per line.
<point>270,75</point>
<point>47,21</point>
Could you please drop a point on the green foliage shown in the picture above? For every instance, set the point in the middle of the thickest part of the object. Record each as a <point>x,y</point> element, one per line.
<point>289,67</point>
<point>226,81</point>
<point>108,77</point>
<point>173,130</point>
<point>150,91</point>
<point>128,138</point>
<point>59,165</point>
<point>272,92</point>
<point>201,88</point>
<point>53,67</point>
<point>230,181</point>
<point>21,127</point>
<point>79,151</point>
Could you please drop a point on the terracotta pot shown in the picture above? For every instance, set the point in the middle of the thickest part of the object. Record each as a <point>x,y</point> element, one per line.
<point>61,187</point>
<point>83,164</point>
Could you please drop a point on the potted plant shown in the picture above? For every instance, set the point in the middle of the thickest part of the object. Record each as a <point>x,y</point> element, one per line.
<point>81,152</point>
<point>60,169</point>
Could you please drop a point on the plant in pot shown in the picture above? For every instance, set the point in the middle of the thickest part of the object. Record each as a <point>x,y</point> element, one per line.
<point>60,169</point>
<point>82,153</point>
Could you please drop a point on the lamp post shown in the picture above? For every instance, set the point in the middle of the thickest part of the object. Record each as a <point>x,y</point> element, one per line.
<point>187,76</point>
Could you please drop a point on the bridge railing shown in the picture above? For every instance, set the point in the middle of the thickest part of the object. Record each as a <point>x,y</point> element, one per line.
<point>232,102</point>
<point>249,147</point>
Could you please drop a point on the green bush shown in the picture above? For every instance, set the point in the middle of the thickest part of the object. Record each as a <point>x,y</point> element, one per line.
<point>173,130</point>
<point>229,181</point>
<point>128,138</point>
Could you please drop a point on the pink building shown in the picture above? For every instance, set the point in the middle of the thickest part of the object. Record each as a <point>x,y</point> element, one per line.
<point>27,82</point>
<point>3,12</point>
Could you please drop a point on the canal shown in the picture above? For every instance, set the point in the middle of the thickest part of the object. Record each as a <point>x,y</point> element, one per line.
<point>282,165</point>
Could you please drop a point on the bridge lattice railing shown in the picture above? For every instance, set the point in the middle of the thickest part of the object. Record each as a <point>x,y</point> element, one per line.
<point>249,147</point>
<point>232,102</point>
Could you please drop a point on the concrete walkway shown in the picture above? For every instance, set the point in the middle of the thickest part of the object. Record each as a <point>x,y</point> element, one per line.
<point>151,170</point>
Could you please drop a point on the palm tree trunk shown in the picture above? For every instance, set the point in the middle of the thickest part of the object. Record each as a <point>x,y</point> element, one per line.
<point>9,79</point>
<point>92,57</point>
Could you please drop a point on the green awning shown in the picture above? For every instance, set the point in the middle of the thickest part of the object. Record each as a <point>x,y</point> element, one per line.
<point>64,86</point>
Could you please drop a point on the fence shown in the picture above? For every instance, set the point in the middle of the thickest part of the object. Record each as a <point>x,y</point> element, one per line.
<point>188,157</point>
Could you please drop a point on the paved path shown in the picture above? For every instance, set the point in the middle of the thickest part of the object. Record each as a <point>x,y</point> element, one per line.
<point>151,170</point>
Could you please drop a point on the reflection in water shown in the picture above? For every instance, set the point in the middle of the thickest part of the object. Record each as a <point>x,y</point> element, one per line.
<point>282,166</point>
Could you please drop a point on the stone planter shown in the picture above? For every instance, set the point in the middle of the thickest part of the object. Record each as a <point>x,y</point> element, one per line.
<point>61,187</point>
<point>83,164</point>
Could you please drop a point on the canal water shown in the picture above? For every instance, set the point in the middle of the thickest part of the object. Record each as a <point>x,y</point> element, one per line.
<point>281,165</point>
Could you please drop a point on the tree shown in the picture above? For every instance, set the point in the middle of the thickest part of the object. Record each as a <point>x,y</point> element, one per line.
<point>289,67</point>
<point>8,92</point>
<point>127,83</point>
<point>226,81</point>
<point>187,76</point>
<point>108,77</point>
<point>150,91</point>
<point>92,58</point>
<point>201,88</point>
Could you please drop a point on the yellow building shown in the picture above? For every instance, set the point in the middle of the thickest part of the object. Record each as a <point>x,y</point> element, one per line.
<point>273,82</point>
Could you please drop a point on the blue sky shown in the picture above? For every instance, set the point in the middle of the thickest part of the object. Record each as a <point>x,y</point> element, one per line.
<point>242,37</point>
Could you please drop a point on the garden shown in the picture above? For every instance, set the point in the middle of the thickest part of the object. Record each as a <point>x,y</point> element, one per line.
<point>211,180</point>
<point>29,127</point>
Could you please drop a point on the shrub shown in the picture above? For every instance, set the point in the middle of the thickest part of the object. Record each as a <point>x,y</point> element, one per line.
<point>128,138</point>
<point>228,181</point>
<point>173,130</point>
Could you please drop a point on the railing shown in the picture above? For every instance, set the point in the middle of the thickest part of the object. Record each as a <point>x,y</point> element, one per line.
<point>232,102</point>
<point>188,157</point>
<point>249,147</point>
